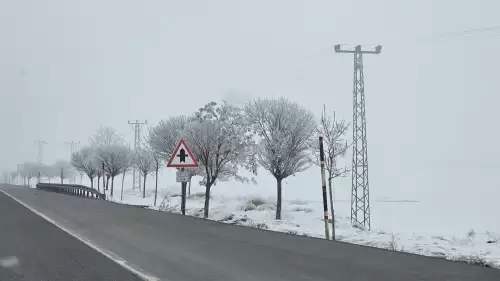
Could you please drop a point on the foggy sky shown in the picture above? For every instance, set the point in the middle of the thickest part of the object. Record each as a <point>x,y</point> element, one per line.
<point>68,66</point>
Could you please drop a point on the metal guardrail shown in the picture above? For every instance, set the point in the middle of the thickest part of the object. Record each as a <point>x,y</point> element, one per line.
<point>72,189</point>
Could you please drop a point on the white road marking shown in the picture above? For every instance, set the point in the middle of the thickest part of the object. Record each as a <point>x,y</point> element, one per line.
<point>8,262</point>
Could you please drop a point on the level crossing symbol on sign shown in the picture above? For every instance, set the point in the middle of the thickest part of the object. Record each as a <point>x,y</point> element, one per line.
<point>182,157</point>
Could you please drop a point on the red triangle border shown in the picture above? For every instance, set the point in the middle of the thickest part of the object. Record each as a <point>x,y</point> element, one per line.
<point>194,165</point>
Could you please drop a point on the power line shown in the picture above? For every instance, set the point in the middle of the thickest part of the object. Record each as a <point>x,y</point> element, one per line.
<point>360,193</point>
<point>472,31</point>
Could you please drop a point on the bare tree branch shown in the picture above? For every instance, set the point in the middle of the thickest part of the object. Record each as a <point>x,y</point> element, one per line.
<point>335,144</point>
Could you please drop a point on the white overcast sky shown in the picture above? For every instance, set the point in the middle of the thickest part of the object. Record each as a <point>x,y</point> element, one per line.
<point>68,66</point>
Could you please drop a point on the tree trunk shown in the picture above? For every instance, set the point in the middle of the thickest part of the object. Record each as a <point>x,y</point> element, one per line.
<point>91,182</point>
<point>330,185</point>
<point>107,182</point>
<point>29,179</point>
<point>98,183</point>
<point>144,187</point>
<point>123,181</point>
<point>207,200</point>
<point>112,184</point>
<point>278,198</point>
<point>156,185</point>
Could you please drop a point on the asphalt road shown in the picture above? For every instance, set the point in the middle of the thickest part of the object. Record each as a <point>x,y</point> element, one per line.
<point>33,249</point>
<point>176,248</point>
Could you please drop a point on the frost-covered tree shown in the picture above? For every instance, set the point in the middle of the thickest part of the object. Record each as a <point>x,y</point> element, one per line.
<point>285,129</point>
<point>222,143</point>
<point>334,145</point>
<point>157,166</point>
<point>158,162</point>
<point>49,172</point>
<point>84,161</point>
<point>22,173</point>
<point>99,173</point>
<point>124,172</point>
<point>114,158</point>
<point>62,169</point>
<point>105,135</point>
<point>163,138</point>
<point>30,170</point>
<point>145,163</point>
<point>13,176</point>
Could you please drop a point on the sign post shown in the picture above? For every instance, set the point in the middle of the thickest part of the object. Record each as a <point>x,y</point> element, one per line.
<point>182,158</point>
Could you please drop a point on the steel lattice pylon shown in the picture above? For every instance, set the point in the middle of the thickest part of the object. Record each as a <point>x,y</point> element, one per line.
<point>360,195</point>
<point>136,175</point>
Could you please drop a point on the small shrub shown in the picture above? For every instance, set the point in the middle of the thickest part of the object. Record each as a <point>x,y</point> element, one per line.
<point>393,243</point>
<point>241,221</point>
<point>247,206</point>
<point>459,241</point>
<point>293,232</point>
<point>197,213</point>
<point>472,259</point>
<point>229,217</point>
<point>298,202</point>
<point>257,201</point>
<point>302,209</point>
<point>471,234</point>
<point>266,207</point>
<point>440,238</point>
<point>166,205</point>
<point>492,237</point>
<point>259,225</point>
<point>359,226</point>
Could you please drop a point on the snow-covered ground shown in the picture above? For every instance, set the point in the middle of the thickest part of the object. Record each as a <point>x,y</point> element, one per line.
<point>305,218</point>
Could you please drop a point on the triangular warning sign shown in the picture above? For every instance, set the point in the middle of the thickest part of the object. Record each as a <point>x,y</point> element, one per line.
<point>182,157</point>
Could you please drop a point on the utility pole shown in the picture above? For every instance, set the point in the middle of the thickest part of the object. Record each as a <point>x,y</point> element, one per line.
<point>40,144</point>
<point>137,125</point>
<point>72,147</point>
<point>360,194</point>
